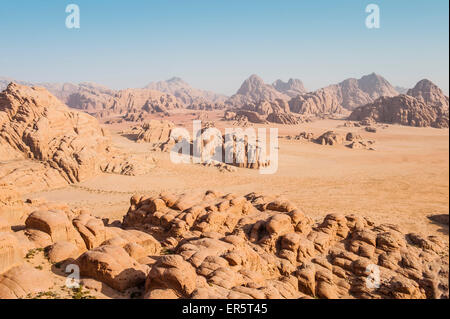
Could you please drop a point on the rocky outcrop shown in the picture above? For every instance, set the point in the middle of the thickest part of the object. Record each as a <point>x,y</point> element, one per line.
<point>254,90</point>
<point>424,105</point>
<point>320,102</point>
<point>330,138</point>
<point>89,97</point>
<point>430,94</point>
<point>155,132</point>
<point>283,118</point>
<point>357,92</point>
<point>216,245</point>
<point>45,142</point>
<point>346,95</point>
<point>150,101</point>
<point>276,111</point>
<point>23,281</point>
<point>35,123</point>
<point>227,246</point>
<point>206,106</point>
<point>404,110</point>
<point>350,140</point>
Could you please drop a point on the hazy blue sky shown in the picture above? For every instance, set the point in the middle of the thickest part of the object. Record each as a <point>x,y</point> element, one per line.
<point>216,44</point>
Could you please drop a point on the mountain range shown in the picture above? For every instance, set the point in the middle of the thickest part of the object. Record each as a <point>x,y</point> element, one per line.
<point>254,95</point>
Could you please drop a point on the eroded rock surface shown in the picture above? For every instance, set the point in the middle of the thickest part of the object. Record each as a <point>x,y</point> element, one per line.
<point>214,245</point>
<point>424,105</point>
<point>44,144</point>
<point>226,246</point>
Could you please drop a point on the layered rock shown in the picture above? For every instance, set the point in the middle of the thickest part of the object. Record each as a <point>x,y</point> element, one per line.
<point>321,102</point>
<point>350,140</point>
<point>214,245</point>
<point>276,111</point>
<point>206,106</point>
<point>23,281</point>
<point>150,101</point>
<point>106,253</point>
<point>155,132</point>
<point>227,246</point>
<point>404,110</point>
<point>427,92</point>
<point>39,126</point>
<point>346,95</point>
<point>232,149</point>
<point>89,97</point>
<point>330,138</point>
<point>65,146</point>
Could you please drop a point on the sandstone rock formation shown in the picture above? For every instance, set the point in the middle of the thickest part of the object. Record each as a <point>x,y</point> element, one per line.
<point>330,138</point>
<point>155,132</point>
<point>346,95</point>
<point>89,97</point>
<point>320,102</point>
<point>354,141</point>
<point>276,111</point>
<point>404,110</point>
<point>150,101</point>
<point>22,281</point>
<point>214,245</point>
<point>227,246</point>
<point>254,90</point>
<point>206,106</point>
<point>427,92</point>
<point>303,136</point>
<point>357,92</point>
<point>45,144</point>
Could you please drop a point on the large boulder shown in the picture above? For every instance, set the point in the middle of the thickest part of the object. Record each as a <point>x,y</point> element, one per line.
<point>113,266</point>
<point>21,281</point>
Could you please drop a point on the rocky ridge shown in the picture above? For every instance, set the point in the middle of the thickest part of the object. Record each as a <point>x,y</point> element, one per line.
<point>211,245</point>
<point>42,139</point>
<point>425,105</point>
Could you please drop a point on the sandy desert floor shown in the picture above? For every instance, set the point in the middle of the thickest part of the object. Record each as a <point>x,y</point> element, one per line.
<point>404,181</point>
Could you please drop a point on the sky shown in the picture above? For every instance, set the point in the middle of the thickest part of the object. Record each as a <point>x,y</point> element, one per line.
<point>217,44</point>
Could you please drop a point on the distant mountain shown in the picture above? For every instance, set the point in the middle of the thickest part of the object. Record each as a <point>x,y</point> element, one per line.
<point>357,92</point>
<point>337,98</point>
<point>401,89</point>
<point>429,93</point>
<point>344,96</point>
<point>254,90</point>
<point>89,97</point>
<point>4,82</point>
<point>424,105</point>
<point>143,100</point>
<point>292,88</point>
<point>185,93</point>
